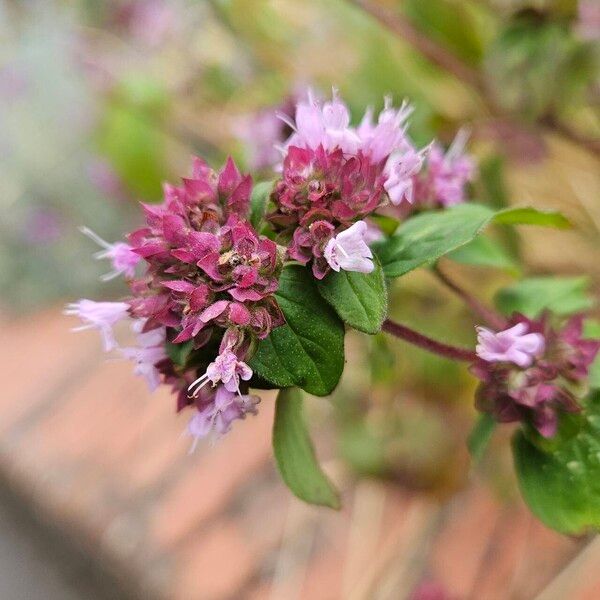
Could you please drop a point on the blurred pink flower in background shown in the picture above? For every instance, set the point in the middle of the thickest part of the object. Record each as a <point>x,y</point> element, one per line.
<point>105,179</point>
<point>13,82</point>
<point>42,226</point>
<point>588,24</point>
<point>149,21</point>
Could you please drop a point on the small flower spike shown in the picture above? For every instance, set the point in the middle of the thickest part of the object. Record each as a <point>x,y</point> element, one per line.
<point>99,315</point>
<point>226,369</point>
<point>122,257</point>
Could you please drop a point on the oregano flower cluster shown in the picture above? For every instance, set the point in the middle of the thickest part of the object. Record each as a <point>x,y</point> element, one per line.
<point>236,286</point>
<point>532,370</point>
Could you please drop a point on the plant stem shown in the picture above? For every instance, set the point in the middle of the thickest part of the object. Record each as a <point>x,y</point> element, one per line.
<point>422,341</point>
<point>443,58</point>
<point>490,316</point>
<point>437,54</point>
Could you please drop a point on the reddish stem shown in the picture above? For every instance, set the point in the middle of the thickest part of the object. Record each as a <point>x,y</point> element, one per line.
<point>443,58</point>
<point>422,341</point>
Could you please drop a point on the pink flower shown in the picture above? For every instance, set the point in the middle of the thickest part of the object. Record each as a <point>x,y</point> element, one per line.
<point>123,258</point>
<point>326,125</point>
<point>335,175</point>
<point>105,179</point>
<point>349,251</point>
<point>99,315</point>
<point>588,24</point>
<point>578,353</point>
<point>444,181</point>
<point>449,173</point>
<point>261,133</point>
<point>512,345</point>
<point>216,416</point>
<point>43,226</point>
<point>527,372</point>
<point>401,169</point>
<point>149,351</point>
<point>225,369</point>
<point>379,141</point>
<point>149,21</point>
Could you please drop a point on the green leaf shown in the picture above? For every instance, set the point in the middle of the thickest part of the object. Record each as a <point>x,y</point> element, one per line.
<point>308,351</point>
<point>561,295</point>
<point>179,353</point>
<point>131,135</point>
<point>431,235</point>
<point>295,454</point>
<point>484,251</point>
<point>562,487</point>
<point>360,299</point>
<point>591,330</point>
<point>480,436</point>
<point>388,225</point>
<point>258,202</point>
<point>532,216</point>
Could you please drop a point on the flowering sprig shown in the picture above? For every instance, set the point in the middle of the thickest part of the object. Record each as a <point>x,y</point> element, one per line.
<point>234,287</point>
<point>531,371</point>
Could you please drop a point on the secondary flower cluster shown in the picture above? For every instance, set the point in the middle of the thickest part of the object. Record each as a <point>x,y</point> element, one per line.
<point>209,280</point>
<point>532,370</point>
<point>335,175</point>
<point>443,181</point>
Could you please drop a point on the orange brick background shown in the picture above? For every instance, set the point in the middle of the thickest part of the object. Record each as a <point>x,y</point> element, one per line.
<point>84,442</point>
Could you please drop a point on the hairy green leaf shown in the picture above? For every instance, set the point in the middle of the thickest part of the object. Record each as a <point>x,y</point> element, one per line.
<point>308,351</point>
<point>431,235</point>
<point>295,454</point>
<point>484,251</point>
<point>360,299</point>
<point>562,486</point>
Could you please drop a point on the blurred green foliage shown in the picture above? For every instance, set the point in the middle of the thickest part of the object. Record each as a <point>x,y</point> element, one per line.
<point>93,87</point>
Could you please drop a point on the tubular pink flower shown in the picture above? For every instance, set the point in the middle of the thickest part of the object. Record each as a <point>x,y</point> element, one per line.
<point>400,169</point>
<point>225,369</point>
<point>379,141</point>
<point>121,255</point>
<point>326,125</point>
<point>448,173</point>
<point>512,345</point>
<point>349,251</point>
<point>217,415</point>
<point>99,315</point>
<point>149,351</point>
<point>588,24</point>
